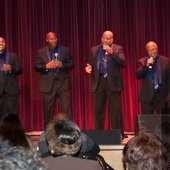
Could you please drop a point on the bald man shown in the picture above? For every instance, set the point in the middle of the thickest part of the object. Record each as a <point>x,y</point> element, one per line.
<point>104,63</point>
<point>54,62</point>
<point>10,67</point>
<point>154,70</point>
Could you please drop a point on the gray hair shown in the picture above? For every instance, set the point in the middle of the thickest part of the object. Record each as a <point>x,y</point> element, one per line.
<point>19,158</point>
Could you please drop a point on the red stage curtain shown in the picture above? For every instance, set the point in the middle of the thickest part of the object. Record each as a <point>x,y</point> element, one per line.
<point>79,25</point>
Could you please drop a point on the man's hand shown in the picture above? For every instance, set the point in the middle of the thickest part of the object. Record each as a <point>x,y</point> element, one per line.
<point>107,48</point>
<point>54,64</point>
<point>88,69</point>
<point>149,61</point>
<point>6,67</point>
<point>58,64</point>
<point>50,65</point>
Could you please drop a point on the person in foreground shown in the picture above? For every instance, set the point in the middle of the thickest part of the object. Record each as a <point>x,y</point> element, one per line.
<point>145,152</point>
<point>154,70</point>
<point>64,141</point>
<point>104,63</point>
<point>19,158</point>
<point>11,129</point>
<point>88,148</point>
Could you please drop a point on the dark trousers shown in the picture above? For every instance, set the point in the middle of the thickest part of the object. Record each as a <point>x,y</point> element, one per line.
<point>49,100</point>
<point>156,103</point>
<point>8,105</point>
<point>103,95</point>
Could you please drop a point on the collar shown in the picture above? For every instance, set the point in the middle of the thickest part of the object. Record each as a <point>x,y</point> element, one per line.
<point>156,58</point>
<point>53,49</point>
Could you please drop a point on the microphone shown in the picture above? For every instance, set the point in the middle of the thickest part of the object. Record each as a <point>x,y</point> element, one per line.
<point>150,65</point>
<point>106,53</point>
<point>56,56</point>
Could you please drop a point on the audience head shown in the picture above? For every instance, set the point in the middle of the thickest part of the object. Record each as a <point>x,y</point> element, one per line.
<point>12,130</point>
<point>63,137</point>
<point>145,152</point>
<point>19,158</point>
<point>61,116</point>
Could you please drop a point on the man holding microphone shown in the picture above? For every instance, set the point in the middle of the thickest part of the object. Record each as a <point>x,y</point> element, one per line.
<point>54,63</point>
<point>104,63</point>
<point>154,70</point>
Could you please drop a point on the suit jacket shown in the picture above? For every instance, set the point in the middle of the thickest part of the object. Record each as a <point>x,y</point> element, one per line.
<point>115,62</point>
<point>71,163</point>
<point>147,89</point>
<point>8,80</point>
<point>47,76</point>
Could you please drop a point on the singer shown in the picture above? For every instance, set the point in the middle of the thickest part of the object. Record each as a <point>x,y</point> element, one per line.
<point>54,62</point>
<point>10,67</point>
<point>104,63</point>
<point>154,70</point>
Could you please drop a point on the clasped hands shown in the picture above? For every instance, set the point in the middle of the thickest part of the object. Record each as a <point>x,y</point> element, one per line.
<point>54,64</point>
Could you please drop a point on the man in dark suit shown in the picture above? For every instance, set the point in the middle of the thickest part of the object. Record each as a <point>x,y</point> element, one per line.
<point>9,67</point>
<point>104,64</point>
<point>54,62</point>
<point>154,70</point>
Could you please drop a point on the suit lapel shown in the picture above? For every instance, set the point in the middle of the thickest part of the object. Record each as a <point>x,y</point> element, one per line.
<point>61,53</point>
<point>47,57</point>
<point>159,62</point>
<point>96,57</point>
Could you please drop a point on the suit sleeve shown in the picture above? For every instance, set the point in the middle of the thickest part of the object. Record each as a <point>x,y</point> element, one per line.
<point>91,58</point>
<point>40,65</point>
<point>119,57</point>
<point>16,66</point>
<point>141,69</point>
<point>68,63</point>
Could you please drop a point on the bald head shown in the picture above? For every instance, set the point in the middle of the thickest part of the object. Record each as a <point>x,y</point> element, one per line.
<point>151,44</point>
<point>107,38</point>
<point>51,39</point>
<point>2,44</point>
<point>61,116</point>
<point>50,34</point>
<point>152,49</point>
<point>2,39</point>
<point>108,33</point>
